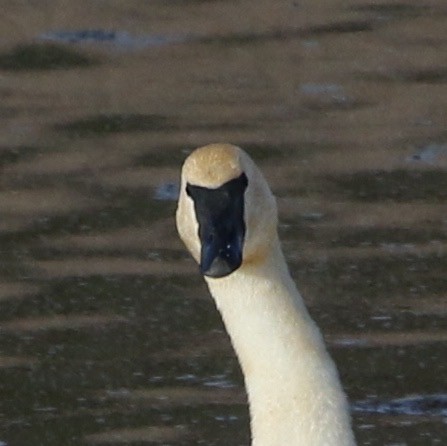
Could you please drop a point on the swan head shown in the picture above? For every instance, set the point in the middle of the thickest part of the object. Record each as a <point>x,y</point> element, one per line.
<point>226,213</point>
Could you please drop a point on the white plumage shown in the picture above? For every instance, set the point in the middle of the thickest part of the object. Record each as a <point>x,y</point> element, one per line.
<point>294,391</point>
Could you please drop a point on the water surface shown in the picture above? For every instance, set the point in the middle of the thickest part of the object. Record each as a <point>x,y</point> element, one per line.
<point>107,332</point>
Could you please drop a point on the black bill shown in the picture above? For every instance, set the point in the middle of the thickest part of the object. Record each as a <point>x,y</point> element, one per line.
<point>220,213</point>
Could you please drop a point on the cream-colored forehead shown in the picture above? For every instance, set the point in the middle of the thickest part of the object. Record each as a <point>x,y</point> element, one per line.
<point>213,165</point>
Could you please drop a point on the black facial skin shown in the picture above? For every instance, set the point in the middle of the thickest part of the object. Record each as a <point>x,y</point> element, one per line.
<point>220,213</point>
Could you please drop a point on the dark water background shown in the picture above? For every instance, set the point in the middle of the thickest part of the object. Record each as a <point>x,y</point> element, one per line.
<point>107,332</point>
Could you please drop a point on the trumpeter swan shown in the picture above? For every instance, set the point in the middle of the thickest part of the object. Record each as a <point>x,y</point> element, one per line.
<point>227,218</point>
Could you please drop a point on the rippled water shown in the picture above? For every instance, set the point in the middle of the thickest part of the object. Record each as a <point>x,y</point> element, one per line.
<point>107,332</point>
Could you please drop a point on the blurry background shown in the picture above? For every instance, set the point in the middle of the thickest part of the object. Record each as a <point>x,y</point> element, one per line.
<point>107,332</point>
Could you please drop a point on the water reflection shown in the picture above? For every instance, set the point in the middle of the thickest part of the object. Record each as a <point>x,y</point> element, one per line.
<point>42,57</point>
<point>107,333</point>
<point>119,39</point>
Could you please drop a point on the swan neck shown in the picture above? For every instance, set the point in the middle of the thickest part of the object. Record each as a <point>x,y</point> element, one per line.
<point>293,387</point>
